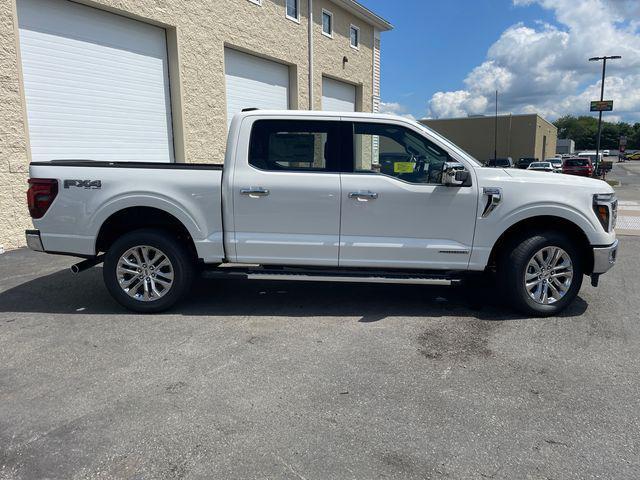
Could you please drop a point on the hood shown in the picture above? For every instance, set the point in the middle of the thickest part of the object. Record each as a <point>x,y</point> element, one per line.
<point>549,178</point>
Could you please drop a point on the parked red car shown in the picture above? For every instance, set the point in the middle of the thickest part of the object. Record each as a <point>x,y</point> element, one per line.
<point>581,166</point>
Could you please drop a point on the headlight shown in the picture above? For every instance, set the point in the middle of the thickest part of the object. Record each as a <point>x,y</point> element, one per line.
<point>605,206</point>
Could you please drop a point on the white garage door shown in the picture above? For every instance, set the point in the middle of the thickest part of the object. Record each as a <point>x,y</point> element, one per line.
<point>338,96</point>
<point>254,82</point>
<point>96,84</point>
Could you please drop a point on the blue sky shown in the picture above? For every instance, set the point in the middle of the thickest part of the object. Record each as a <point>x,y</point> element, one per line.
<point>436,45</point>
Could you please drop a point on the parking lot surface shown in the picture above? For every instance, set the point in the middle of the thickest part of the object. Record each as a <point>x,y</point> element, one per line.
<point>315,381</point>
<point>627,175</point>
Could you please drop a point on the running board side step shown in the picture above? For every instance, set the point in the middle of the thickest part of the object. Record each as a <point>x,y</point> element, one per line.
<point>337,277</point>
<point>349,279</point>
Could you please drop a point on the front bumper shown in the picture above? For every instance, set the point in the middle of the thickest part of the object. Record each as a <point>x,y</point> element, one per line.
<point>604,258</point>
<point>34,242</point>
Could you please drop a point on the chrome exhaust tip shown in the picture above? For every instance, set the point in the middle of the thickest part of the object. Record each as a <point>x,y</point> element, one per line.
<point>86,264</point>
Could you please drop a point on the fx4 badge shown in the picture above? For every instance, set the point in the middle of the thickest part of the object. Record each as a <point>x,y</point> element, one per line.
<point>86,184</point>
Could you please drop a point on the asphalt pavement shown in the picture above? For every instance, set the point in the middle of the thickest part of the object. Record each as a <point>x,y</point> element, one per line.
<point>315,381</point>
<point>627,175</point>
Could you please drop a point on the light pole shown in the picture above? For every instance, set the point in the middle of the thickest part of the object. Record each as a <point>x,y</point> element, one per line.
<point>495,132</point>
<point>604,68</point>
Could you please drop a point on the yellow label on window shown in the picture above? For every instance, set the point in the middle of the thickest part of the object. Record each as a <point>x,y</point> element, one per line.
<point>403,167</point>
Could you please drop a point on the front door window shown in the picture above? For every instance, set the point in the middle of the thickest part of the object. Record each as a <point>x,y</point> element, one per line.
<point>397,152</point>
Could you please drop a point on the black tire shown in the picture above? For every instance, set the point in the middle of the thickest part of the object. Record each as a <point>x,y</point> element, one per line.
<point>513,265</point>
<point>181,263</point>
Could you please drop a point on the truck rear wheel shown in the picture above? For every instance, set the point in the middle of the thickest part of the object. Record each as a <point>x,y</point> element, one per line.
<point>541,274</point>
<point>147,270</point>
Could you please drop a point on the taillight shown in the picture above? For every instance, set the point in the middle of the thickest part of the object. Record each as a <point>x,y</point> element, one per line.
<point>40,195</point>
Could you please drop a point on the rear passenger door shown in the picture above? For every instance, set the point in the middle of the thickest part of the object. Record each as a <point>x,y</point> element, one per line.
<point>287,195</point>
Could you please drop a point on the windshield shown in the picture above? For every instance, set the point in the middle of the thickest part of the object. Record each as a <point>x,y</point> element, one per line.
<point>539,165</point>
<point>576,162</point>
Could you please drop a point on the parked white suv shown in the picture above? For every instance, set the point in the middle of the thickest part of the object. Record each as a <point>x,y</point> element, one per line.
<point>326,197</point>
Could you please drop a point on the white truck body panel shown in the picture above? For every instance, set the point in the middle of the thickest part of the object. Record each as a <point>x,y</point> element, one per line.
<point>308,218</point>
<point>73,222</point>
<point>298,223</point>
<point>407,226</point>
<point>530,194</point>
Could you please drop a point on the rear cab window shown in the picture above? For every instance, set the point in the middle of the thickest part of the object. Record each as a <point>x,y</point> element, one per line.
<point>295,145</point>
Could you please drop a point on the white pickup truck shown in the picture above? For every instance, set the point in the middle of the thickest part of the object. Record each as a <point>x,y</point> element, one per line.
<point>322,196</point>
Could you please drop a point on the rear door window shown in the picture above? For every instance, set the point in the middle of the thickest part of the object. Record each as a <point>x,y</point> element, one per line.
<point>300,145</point>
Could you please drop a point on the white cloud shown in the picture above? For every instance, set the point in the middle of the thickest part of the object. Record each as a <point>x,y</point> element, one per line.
<point>545,69</point>
<point>394,108</point>
<point>457,104</point>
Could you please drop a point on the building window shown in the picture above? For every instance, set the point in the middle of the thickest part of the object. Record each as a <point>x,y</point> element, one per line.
<point>327,23</point>
<point>293,10</point>
<point>354,35</point>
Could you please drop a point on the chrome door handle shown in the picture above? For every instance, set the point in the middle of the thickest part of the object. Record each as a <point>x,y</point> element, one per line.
<point>255,191</point>
<point>361,194</point>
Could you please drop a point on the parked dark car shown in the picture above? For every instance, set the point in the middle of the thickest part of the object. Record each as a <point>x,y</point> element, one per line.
<point>580,166</point>
<point>524,162</point>
<point>500,163</point>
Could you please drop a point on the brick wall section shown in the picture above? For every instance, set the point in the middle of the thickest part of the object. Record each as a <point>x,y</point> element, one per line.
<point>329,53</point>
<point>203,28</point>
<point>13,141</point>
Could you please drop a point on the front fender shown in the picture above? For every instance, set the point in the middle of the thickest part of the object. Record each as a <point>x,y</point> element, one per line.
<point>547,209</point>
<point>491,228</point>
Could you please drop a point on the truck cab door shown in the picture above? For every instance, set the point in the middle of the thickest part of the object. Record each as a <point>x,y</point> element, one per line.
<point>286,193</point>
<point>396,213</point>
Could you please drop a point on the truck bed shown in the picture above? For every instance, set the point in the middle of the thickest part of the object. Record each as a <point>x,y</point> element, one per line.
<point>90,192</point>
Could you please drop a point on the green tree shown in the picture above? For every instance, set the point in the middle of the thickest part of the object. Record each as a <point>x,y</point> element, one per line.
<point>633,138</point>
<point>584,130</point>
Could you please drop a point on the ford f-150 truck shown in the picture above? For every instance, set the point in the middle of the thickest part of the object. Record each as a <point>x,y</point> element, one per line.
<point>322,196</point>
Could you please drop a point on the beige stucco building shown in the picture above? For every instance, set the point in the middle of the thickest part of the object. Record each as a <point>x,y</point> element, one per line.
<point>150,80</point>
<point>519,136</point>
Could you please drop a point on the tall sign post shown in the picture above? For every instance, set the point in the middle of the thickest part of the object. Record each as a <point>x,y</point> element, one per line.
<point>622,146</point>
<point>495,132</point>
<point>600,110</point>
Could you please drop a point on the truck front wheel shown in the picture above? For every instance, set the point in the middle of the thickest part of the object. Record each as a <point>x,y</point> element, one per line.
<point>147,270</point>
<point>542,273</point>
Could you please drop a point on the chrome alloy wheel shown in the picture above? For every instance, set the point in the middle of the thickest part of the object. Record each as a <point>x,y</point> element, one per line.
<point>145,273</point>
<point>548,275</point>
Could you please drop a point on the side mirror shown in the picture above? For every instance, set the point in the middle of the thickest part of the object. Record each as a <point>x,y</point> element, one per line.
<point>454,175</point>
<point>463,176</point>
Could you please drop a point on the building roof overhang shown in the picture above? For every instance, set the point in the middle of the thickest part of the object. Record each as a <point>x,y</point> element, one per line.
<point>365,14</point>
